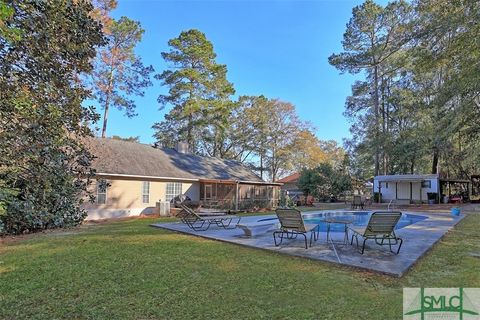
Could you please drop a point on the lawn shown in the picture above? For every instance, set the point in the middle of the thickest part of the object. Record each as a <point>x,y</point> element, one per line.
<point>128,270</point>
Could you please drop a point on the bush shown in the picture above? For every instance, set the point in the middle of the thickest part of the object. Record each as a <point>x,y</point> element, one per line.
<point>286,201</point>
<point>53,205</point>
<point>44,166</point>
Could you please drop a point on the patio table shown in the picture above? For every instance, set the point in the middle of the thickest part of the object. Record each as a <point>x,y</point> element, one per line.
<point>345,223</point>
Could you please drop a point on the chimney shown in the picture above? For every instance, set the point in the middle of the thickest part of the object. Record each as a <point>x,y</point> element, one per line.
<point>182,147</point>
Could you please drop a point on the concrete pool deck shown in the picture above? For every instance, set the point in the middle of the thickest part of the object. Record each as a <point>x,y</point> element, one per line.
<point>418,239</point>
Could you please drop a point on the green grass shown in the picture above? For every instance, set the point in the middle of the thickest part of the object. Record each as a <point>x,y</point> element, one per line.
<point>128,270</point>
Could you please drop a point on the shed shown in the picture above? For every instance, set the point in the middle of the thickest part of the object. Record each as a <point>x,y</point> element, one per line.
<point>406,188</point>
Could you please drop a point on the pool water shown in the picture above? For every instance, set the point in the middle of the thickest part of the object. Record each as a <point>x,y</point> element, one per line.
<point>358,219</point>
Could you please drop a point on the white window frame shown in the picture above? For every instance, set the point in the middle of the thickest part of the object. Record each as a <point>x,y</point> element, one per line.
<point>426,184</point>
<point>208,186</point>
<point>99,183</point>
<point>174,193</point>
<point>146,191</point>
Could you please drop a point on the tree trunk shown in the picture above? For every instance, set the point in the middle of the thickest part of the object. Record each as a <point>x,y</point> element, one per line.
<point>105,117</point>
<point>107,104</point>
<point>274,167</point>
<point>377,119</point>
<point>435,161</point>
<point>189,133</point>
<point>261,167</point>
<point>384,128</point>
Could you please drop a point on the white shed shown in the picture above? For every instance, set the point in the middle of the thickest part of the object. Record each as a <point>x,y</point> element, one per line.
<point>407,188</point>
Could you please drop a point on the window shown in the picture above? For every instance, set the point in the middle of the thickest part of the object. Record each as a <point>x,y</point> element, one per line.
<point>426,184</point>
<point>146,192</point>
<point>173,189</point>
<point>386,185</point>
<point>102,191</point>
<point>248,193</point>
<point>208,192</point>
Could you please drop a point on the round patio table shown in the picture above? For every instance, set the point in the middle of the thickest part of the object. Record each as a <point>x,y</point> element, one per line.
<point>345,223</point>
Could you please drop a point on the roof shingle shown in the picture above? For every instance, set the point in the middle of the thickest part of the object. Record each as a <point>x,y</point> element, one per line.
<point>130,158</point>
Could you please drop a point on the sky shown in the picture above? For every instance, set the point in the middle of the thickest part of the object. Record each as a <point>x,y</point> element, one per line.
<point>278,48</point>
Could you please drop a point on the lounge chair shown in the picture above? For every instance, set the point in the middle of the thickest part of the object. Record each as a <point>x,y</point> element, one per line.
<point>357,202</point>
<point>201,223</point>
<point>380,227</point>
<point>292,225</point>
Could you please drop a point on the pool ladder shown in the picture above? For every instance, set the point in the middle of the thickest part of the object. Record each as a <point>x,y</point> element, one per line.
<point>390,204</point>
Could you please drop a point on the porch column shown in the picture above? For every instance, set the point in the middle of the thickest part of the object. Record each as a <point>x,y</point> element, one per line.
<point>236,196</point>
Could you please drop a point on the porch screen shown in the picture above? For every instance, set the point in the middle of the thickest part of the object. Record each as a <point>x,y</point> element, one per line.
<point>173,189</point>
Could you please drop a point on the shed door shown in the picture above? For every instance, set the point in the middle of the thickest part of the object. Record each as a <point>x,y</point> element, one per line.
<point>403,191</point>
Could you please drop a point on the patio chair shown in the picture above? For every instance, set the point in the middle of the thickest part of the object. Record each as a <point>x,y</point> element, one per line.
<point>292,225</point>
<point>357,202</point>
<point>380,227</point>
<point>197,222</point>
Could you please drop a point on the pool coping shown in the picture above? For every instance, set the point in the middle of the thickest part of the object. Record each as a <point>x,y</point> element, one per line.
<point>431,231</point>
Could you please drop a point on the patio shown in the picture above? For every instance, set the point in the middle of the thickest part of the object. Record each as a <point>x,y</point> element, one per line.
<point>418,239</point>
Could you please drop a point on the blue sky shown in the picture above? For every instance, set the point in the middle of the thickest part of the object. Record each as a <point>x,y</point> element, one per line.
<point>275,48</point>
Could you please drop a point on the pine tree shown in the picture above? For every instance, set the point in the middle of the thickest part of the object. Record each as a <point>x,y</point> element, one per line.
<point>119,72</point>
<point>198,91</point>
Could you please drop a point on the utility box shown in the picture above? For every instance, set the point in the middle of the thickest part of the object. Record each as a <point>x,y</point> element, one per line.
<point>163,208</point>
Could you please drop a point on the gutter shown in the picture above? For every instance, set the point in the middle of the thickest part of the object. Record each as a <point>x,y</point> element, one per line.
<point>144,177</point>
<point>186,179</point>
<point>260,182</point>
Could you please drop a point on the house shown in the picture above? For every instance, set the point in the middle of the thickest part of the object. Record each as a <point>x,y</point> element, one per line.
<point>407,188</point>
<point>290,184</point>
<point>131,178</point>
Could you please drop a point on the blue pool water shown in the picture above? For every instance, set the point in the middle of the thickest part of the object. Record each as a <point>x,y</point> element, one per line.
<point>357,218</point>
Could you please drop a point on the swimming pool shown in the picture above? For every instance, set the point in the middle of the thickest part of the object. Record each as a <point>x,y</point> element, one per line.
<point>358,219</point>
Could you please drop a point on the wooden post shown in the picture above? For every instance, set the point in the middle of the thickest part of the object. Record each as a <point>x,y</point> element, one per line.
<point>379,192</point>
<point>236,196</point>
<point>421,192</point>
<point>411,192</point>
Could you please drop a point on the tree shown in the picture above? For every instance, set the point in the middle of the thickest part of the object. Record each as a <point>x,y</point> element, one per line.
<point>324,181</point>
<point>7,31</point>
<point>42,120</point>
<point>447,52</point>
<point>428,89</point>
<point>246,123</point>
<point>198,92</point>
<point>374,34</point>
<point>119,72</point>
<point>278,138</point>
<point>307,152</point>
<point>128,139</point>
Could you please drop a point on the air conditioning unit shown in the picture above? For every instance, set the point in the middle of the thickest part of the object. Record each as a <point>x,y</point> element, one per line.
<point>163,208</point>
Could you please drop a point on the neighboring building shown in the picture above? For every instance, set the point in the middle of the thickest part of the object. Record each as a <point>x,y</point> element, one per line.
<point>407,188</point>
<point>290,184</point>
<point>132,177</point>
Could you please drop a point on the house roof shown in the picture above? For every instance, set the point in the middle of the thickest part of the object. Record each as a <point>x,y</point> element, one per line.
<point>406,177</point>
<point>124,158</point>
<point>291,178</point>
